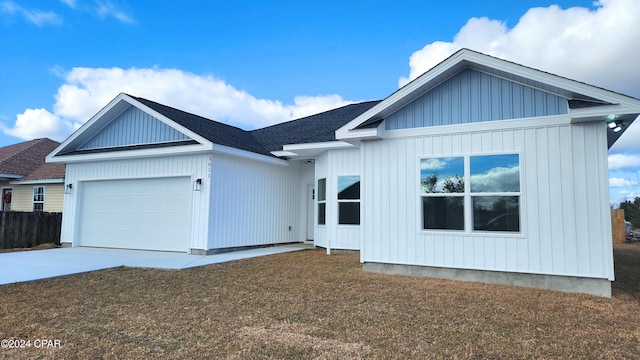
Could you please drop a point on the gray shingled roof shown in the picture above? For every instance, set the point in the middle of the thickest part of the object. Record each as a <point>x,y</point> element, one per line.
<point>311,129</point>
<point>216,132</point>
<point>315,128</point>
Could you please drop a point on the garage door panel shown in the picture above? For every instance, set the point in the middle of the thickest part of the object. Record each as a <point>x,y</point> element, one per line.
<point>150,214</point>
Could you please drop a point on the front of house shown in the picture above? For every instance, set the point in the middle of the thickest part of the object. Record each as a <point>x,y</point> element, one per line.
<point>480,169</point>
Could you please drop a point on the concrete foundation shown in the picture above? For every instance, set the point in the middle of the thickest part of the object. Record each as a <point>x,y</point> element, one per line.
<point>598,287</point>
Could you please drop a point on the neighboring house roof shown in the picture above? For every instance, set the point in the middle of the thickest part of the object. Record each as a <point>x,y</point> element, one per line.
<point>46,171</point>
<point>19,161</point>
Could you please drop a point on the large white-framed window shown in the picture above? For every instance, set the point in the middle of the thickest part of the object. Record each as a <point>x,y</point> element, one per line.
<point>38,198</point>
<point>471,193</point>
<point>349,200</point>
<point>322,201</point>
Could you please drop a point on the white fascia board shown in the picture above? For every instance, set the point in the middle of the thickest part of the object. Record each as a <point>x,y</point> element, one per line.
<point>226,150</point>
<point>361,134</point>
<point>603,113</point>
<point>40,181</point>
<point>480,127</point>
<point>283,153</point>
<point>311,149</point>
<point>130,154</point>
<point>327,145</point>
<point>11,176</point>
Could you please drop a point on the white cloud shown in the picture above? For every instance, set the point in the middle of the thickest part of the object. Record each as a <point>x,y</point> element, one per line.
<point>579,43</point>
<point>621,161</point>
<point>39,123</point>
<point>432,164</point>
<point>87,90</point>
<point>619,182</point>
<point>497,179</point>
<point>37,17</point>
<point>69,3</point>
<point>106,8</point>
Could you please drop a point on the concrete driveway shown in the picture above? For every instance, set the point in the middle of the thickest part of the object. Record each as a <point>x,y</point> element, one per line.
<point>42,264</point>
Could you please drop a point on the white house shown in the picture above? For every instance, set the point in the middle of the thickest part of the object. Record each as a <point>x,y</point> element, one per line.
<point>480,169</point>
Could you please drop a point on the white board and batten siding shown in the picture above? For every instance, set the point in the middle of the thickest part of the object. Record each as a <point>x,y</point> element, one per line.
<point>253,203</point>
<point>120,176</point>
<point>330,165</point>
<point>564,203</point>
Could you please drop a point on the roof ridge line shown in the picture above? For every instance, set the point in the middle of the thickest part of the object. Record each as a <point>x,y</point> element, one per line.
<point>35,142</point>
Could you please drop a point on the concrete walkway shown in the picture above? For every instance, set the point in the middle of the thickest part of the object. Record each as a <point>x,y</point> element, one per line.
<point>42,264</point>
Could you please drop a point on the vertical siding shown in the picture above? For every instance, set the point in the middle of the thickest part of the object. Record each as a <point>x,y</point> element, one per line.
<point>252,203</point>
<point>321,233</point>
<point>133,127</point>
<point>330,165</point>
<point>564,203</point>
<point>169,166</point>
<point>473,96</point>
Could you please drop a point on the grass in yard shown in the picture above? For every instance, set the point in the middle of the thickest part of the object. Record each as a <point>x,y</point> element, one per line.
<point>309,305</point>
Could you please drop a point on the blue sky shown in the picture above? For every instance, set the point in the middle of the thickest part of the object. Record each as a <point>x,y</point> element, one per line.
<point>255,63</point>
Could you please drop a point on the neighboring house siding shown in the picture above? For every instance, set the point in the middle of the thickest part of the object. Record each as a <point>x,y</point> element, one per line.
<point>252,203</point>
<point>195,166</point>
<point>563,204</point>
<point>22,197</point>
<point>330,165</point>
<point>134,127</point>
<point>54,198</point>
<point>472,96</point>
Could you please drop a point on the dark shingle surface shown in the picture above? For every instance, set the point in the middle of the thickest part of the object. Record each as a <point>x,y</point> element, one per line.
<point>216,132</point>
<point>23,158</point>
<point>315,128</point>
<point>311,129</point>
<point>47,171</point>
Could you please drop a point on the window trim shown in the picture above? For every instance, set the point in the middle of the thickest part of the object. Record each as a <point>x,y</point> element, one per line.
<point>319,202</point>
<point>34,201</point>
<point>468,196</point>
<point>338,201</point>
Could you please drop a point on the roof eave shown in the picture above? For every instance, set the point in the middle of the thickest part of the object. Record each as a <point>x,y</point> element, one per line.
<point>38,181</point>
<point>310,150</point>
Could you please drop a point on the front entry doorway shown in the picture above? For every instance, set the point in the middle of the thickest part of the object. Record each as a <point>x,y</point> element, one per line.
<point>311,196</point>
<point>6,199</point>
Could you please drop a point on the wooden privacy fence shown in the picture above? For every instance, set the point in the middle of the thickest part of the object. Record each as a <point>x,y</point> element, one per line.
<point>28,229</point>
<point>617,225</point>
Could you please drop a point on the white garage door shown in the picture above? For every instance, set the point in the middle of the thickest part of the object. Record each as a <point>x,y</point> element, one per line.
<point>146,214</point>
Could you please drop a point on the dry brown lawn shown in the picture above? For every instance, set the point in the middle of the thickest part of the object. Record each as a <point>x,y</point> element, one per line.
<point>307,305</point>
